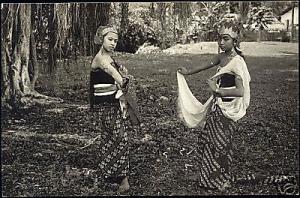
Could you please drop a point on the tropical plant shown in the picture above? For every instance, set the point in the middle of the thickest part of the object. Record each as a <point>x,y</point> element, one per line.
<point>210,13</point>
<point>258,19</point>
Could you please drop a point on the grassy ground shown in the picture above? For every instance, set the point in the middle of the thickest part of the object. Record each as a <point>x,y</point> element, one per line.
<point>41,152</point>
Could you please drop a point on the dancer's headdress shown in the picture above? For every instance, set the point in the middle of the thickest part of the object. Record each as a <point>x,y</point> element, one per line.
<point>102,31</point>
<point>230,25</point>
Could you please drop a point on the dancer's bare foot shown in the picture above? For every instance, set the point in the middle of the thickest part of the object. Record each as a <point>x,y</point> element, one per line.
<point>225,186</point>
<point>124,186</point>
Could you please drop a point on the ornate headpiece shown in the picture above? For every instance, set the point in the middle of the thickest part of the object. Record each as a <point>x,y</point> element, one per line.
<point>102,31</point>
<point>230,25</point>
<point>229,31</point>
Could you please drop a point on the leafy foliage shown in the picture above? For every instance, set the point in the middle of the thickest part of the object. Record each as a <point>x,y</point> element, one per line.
<point>260,17</point>
<point>206,19</point>
<point>182,22</point>
<point>136,34</point>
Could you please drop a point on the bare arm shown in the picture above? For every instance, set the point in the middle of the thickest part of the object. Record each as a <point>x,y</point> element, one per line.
<point>106,66</point>
<point>215,61</point>
<point>201,68</point>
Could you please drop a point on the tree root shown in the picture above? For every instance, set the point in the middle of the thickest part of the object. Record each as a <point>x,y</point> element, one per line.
<point>34,98</point>
<point>37,95</point>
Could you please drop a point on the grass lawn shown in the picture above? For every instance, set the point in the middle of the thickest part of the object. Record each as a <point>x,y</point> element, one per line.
<point>41,152</point>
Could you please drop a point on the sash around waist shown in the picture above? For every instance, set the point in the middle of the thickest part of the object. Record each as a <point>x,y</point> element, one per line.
<point>228,98</point>
<point>105,89</point>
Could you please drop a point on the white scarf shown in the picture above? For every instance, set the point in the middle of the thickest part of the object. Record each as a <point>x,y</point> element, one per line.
<point>193,113</point>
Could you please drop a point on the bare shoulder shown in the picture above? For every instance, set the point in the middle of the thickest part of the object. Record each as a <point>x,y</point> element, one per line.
<point>101,61</point>
<point>96,62</point>
<point>105,60</point>
<point>216,59</point>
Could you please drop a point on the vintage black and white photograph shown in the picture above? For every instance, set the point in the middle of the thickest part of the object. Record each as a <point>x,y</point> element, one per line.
<point>164,98</point>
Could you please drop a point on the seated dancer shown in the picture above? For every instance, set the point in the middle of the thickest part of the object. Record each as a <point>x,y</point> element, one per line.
<point>111,101</point>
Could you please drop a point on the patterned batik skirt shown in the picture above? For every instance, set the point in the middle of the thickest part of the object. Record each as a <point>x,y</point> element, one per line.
<point>216,150</point>
<point>114,147</point>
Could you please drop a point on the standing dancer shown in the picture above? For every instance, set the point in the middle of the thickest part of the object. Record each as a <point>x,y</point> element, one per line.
<point>218,116</point>
<point>110,100</point>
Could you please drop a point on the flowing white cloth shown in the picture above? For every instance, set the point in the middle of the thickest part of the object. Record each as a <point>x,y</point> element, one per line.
<point>123,103</point>
<point>190,110</point>
<point>193,113</point>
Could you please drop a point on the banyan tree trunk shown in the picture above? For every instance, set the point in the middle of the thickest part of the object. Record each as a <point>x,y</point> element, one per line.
<point>20,82</point>
<point>123,26</point>
<point>33,61</point>
<point>52,52</point>
<point>18,60</point>
<point>7,14</point>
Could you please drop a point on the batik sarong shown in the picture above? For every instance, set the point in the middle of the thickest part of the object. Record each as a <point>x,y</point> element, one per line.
<point>114,149</point>
<point>216,149</point>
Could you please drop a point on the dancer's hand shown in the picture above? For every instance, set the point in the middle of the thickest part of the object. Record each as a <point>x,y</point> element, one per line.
<point>213,85</point>
<point>183,70</point>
